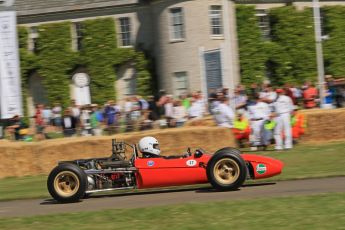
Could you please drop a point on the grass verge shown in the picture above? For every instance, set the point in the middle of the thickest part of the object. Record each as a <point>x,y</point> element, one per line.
<point>310,161</point>
<point>324,211</point>
<point>304,161</point>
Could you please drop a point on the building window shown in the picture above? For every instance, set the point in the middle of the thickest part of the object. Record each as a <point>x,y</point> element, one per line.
<point>177,24</point>
<point>33,37</point>
<point>263,22</point>
<point>180,83</point>
<point>216,20</point>
<point>77,36</point>
<point>125,32</point>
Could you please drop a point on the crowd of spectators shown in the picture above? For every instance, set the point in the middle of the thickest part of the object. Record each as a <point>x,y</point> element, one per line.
<point>261,114</point>
<point>137,113</point>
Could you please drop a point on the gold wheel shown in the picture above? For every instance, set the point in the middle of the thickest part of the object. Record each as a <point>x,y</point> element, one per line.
<point>66,183</point>
<point>226,171</point>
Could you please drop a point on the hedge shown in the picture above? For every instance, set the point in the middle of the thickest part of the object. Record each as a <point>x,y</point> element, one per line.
<point>55,61</point>
<point>251,46</point>
<point>334,47</point>
<point>28,62</point>
<point>293,32</point>
<point>98,51</point>
<point>290,56</point>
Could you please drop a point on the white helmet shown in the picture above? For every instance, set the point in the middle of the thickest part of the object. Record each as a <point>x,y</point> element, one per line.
<point>149,145</point>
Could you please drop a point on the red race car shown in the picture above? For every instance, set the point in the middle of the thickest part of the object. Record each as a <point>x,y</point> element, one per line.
<point>226,169</point>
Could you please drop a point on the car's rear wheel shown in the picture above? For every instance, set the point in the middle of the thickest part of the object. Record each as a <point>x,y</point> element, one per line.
<point>226,170</point>
<point>67,183</point>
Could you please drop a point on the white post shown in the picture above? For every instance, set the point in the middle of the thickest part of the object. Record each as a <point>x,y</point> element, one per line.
<point>10,84</point>
<point>319,55</point>
<point>228,78</point>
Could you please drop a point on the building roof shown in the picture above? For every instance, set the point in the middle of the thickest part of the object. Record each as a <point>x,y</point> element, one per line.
<point>34,7</point>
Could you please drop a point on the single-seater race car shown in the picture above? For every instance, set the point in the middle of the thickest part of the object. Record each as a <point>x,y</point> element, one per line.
<point>226,169</point>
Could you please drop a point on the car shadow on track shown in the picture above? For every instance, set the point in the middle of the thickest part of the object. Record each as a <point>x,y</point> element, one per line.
<point>259,184</point>
<point>130,193</point>
<point>52,201</point>
<point>246,185</point>
<point>205,189</point>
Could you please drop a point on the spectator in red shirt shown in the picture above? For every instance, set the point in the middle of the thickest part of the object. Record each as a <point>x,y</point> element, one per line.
<point>310,96</point>
<point>289,93</point>
<point>39,122</point>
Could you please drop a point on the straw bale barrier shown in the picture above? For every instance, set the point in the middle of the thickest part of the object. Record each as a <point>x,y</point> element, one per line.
<point>19,159</point>
<point>324,125</point>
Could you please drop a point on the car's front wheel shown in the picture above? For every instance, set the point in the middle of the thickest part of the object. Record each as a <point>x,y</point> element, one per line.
<point>226,170</point>
<point>67,183</point>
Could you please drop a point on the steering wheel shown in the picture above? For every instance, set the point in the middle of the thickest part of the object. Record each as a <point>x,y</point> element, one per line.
<point>199,152</point>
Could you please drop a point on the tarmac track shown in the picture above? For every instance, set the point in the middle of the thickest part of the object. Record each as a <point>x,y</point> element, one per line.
<point>20,208</point>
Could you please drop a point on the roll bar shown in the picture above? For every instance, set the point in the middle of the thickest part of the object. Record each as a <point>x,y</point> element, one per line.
<point>119,150</point>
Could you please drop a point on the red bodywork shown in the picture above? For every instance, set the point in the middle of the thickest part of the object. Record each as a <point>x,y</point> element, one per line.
<point>160,172</point>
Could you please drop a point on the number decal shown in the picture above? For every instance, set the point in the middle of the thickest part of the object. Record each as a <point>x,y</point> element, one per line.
<point>191,163</point>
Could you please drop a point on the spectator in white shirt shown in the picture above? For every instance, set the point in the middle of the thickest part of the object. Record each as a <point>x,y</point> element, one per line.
<point>258,114</point>
<point>68,124</point>
<point>223,114</point>
<point>240,100</point>
<point>85,121</point>
<point>283,108</point>
<point>74,108</point>
<point>268,95</point>
<point>198,108</point>
<point>128,107</point>
<point>169,110</point>
<point>47,115</point>
<point>57,114</point>
<point>179,113</point>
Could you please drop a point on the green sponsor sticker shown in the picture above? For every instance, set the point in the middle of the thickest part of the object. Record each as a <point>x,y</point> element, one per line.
<point>261,168</point>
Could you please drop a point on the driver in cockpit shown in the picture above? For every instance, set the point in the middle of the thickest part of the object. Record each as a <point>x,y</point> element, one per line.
<point>149,147</point>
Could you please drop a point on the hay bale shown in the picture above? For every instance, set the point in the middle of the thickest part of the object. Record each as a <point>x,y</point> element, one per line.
<point>324,125</point>
<point>20,159</point>
<point>206,121</point>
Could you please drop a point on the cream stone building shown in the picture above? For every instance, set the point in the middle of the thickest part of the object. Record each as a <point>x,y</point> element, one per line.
<point>193,42</point>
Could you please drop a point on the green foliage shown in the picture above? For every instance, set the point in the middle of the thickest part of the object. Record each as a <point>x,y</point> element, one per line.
<point>55,60</point>
<point>334,47</point>
<point>288,57</point>
<point>101,55</point>
<point>22,37</point>
<point>28,62</point>
<point>55,57</point>
<point>98,51</point>
<point>251,45</point>
<point>278,63</point>
<point>293,32</point>
<point>144,86</point>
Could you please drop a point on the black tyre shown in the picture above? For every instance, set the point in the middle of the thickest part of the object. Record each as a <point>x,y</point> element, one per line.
<point>67,183</point>
<point>226,170</point>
